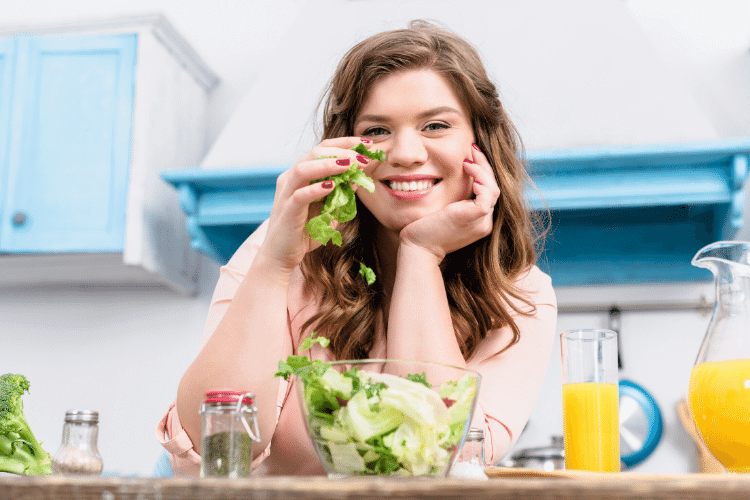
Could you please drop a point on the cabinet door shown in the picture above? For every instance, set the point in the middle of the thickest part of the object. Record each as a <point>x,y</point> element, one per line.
<point>69,144</point>
<point>7,65</point>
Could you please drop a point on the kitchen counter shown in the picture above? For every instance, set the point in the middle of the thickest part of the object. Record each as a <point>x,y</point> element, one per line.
<point>500,486</point>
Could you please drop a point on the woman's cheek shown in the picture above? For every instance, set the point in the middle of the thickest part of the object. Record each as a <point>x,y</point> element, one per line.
<point>366,198</point>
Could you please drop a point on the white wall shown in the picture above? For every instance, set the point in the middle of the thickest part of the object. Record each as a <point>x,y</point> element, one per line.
<point>122,351</point>
<point>118,350</point>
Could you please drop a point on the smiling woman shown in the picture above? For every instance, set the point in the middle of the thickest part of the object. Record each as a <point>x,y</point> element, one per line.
<point>445,229</point>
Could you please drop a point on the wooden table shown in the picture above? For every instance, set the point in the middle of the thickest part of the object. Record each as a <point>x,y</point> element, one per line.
<point>499,487</point>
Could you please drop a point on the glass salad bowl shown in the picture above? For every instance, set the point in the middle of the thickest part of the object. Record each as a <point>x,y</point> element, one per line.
<point>387,417</point>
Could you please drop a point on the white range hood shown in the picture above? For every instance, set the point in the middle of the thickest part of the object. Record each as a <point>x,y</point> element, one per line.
<point>572,74</point>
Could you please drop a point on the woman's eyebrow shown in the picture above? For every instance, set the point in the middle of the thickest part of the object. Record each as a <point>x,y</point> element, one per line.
<point>425,114</point>
<point>439,110</point>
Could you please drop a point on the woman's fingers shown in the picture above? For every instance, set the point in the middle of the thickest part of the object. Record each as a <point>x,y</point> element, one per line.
<point>306,172</point>
<point>345,142</point>
<point>338,147</point>
<point>485,187</point>
<point>312,192</point>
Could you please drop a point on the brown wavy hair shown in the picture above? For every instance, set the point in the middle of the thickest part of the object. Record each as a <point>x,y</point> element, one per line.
<point>479,278</point>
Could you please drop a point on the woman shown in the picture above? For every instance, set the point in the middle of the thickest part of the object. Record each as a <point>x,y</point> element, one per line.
<point>446,231</point>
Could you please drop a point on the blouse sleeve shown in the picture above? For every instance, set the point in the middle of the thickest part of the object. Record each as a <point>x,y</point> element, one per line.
<point>512,380</point>
<point>169,432</point>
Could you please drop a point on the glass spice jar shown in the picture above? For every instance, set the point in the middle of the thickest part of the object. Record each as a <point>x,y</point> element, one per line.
<point>229,428</point>
<point>79,454</point>
<point>473,450</point>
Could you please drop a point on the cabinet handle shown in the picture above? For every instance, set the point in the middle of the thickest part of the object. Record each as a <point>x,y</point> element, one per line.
<point>19,219</point>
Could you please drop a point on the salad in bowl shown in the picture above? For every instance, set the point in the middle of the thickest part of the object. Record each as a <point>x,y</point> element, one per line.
<point>382,416</point>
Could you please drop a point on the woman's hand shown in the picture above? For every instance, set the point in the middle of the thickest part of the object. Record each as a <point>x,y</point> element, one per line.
<point>461,223</point>
<point>298,198</point>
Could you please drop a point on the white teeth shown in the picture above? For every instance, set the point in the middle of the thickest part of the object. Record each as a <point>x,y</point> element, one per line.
<point>411,186</point>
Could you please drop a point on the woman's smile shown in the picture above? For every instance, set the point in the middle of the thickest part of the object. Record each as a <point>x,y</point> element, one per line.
<point>405,187</point>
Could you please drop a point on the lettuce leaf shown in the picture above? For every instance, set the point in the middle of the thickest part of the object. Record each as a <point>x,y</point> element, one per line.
<point>367,273</point>
<point>341,203</point>
<point>294,362</point>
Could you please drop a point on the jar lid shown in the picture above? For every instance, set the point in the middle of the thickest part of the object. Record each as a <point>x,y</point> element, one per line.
<point>224,396</point>
<point>78,416</point>
<point>475,434</point>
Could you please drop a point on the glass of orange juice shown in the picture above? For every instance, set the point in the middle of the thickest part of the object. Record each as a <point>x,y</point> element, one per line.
<point>590,390</point>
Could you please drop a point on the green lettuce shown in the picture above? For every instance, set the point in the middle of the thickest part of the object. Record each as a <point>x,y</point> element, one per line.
<point>341,204</point>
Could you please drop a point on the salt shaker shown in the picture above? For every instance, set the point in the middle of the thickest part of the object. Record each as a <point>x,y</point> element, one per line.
<point>473,449</point>
<point>229,427</point>
<point>78,454</point>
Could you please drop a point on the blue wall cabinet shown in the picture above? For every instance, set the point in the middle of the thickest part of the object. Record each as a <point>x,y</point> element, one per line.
<point>88,118</point>
<point>619,216</point>
<point>67,171</point>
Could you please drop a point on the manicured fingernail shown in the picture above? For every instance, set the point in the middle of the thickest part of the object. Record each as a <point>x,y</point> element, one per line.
<point>365,140</point>
<point>476,147</point>
<point>343,162</point>
<point>363,159</point>
<point>327,184</point>
<point>468,160</point>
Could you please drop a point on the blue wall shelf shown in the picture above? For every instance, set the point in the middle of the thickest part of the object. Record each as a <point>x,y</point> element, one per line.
<point>619,215</point>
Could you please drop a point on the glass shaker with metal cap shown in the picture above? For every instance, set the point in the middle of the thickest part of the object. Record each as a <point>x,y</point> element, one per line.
<point>230,426</point>
<point>79,454</point>
<point>473,449</point>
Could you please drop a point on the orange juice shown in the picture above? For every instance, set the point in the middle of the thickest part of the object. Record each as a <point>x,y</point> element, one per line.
<point>592,427</point>
<point>719,397</point>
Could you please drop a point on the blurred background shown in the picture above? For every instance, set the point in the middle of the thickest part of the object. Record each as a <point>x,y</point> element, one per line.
<point>572,73</point>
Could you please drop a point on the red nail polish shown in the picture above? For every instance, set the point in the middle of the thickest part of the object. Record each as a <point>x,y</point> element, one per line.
<point>363,159</point>
<point>476,147</point>
<point>327,184</point>
<point>468,160</point>
<point>365,140</point>
<point>343,162</point>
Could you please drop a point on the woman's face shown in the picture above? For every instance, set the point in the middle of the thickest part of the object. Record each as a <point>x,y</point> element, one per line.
<point>418,120</point>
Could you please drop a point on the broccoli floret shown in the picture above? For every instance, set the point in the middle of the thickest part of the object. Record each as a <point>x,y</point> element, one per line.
<point>20,452</point>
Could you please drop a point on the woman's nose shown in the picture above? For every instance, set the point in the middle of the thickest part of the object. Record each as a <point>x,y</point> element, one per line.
<point>407,150</point>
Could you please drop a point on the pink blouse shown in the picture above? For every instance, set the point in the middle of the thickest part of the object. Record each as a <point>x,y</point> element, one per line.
<point>509,388</point>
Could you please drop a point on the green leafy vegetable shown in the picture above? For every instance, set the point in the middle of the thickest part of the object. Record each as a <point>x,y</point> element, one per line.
<point>367,272</point>
<point>312,339</point>
<point>376,423</point>
<point>294,363</point>
<point>341,204</point>
<point>20,452</point>
<point>420,378</point>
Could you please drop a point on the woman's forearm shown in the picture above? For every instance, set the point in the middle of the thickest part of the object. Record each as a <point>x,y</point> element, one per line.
<point>243,352</point>
<point>419,320</point>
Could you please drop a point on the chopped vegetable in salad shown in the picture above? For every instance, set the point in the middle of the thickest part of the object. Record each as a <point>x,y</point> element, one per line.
<point>376,423</point>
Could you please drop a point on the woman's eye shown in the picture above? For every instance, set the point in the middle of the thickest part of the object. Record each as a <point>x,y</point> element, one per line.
<point>436,126</point>
<point>374,131</point>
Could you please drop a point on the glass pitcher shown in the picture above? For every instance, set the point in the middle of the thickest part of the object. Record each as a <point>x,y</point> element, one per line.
<point>719,391</point>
